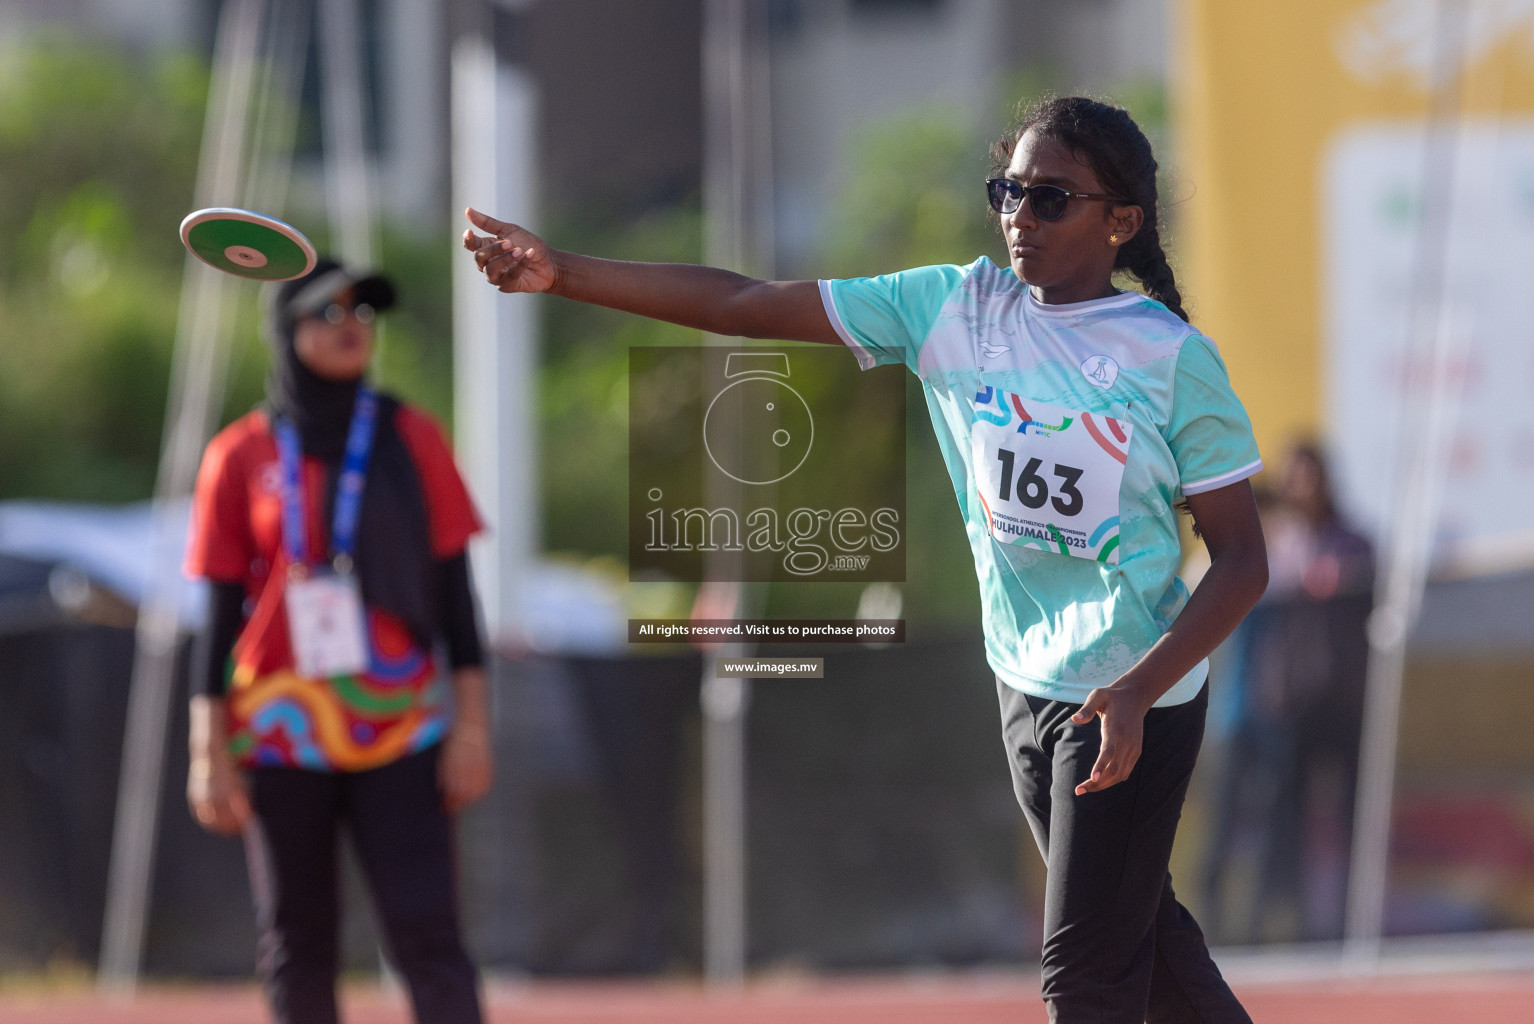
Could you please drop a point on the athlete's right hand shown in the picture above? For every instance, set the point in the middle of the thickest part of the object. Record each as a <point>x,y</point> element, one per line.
<point>1122,710</point>
<point>217,794</point>
<point>511,257</point>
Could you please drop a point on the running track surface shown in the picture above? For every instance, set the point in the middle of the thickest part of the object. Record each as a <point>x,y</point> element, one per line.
<point>903,1000</point>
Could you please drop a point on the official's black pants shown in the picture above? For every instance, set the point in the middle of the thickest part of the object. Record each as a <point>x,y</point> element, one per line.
<point>404,840</point>
<point>1118,947</point>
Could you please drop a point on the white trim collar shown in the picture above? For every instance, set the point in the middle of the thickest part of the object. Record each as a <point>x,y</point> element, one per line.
<point>1059,309</point>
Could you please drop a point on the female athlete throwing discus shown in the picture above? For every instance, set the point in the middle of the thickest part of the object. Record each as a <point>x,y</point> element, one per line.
<point>1073,418</point>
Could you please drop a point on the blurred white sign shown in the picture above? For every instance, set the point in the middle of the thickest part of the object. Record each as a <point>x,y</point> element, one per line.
<point>1373,208</point>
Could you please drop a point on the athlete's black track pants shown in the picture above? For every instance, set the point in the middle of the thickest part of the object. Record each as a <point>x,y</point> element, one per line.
<point>1118,947</point>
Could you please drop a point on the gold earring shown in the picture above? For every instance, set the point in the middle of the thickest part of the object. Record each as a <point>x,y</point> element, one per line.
<point>1113,239</point>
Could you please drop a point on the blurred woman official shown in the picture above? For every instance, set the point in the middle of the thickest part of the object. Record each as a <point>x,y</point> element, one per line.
<point>331,524</point>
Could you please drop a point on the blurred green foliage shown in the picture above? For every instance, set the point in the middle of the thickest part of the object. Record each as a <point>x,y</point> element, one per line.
<point>415,350</point>
<point>98,159</point>
<point>583,387</point>
<point>914,196</point>
<point>97,154</point>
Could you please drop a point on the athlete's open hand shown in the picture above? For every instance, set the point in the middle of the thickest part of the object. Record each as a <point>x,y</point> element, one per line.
<point>1123,730</point>
<point>512,258</point>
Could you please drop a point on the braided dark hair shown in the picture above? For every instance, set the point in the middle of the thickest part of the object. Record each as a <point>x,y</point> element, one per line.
<point>1107,139</point>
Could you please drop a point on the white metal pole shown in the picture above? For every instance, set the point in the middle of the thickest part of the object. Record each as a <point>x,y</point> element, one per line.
<point>494,374</point>
<point>275,122</point>
<point>348,174</point>
<point>724,703</point>
<point>475,303</point>
<point>198,370</point>
<point>413,93</point>
<point>495,335</point>
<point>737,235</point>
<point>1413,517</point>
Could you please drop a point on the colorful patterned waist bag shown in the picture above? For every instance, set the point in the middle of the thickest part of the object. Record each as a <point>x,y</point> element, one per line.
<point>318,680</point>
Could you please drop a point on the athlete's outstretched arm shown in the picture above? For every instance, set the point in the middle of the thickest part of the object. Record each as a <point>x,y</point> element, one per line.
<point>1238,574</point>
<point>718,301</point>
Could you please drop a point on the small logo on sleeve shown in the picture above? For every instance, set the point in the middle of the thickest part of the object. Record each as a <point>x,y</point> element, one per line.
<point>1100,370</point>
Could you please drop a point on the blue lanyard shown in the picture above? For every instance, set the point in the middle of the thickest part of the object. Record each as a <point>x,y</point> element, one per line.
<point>354,471</point>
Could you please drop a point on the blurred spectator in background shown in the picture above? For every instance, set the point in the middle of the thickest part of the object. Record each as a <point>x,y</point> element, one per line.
<point>1286,794</point>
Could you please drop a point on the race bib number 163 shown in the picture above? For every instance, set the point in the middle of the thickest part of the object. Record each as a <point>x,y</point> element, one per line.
<point>1048,477</point>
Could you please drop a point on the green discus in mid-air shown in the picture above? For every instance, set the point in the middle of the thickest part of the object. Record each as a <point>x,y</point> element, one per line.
<point>247,244</point>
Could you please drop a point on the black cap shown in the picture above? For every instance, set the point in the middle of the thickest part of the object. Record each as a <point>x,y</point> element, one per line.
<point>310,294</point>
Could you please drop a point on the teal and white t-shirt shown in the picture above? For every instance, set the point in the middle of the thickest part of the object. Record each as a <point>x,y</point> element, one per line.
<point>1070,432</point>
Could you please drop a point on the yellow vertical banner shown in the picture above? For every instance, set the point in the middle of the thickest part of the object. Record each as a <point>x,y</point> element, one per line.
<point>1313,159</point>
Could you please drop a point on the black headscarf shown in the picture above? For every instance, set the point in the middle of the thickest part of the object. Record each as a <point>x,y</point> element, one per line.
<point>394,561</point>
<point>320,408</point>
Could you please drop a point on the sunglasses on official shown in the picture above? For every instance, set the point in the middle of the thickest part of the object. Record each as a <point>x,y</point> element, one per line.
<point>337,311</point>
<point>1048,202</point>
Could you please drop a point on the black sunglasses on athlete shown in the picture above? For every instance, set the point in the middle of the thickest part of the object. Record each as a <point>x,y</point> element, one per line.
<point>1048,202</point>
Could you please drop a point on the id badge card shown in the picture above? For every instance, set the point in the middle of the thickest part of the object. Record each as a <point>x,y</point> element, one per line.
<point>325,624</point>
<point>1048,477</point>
